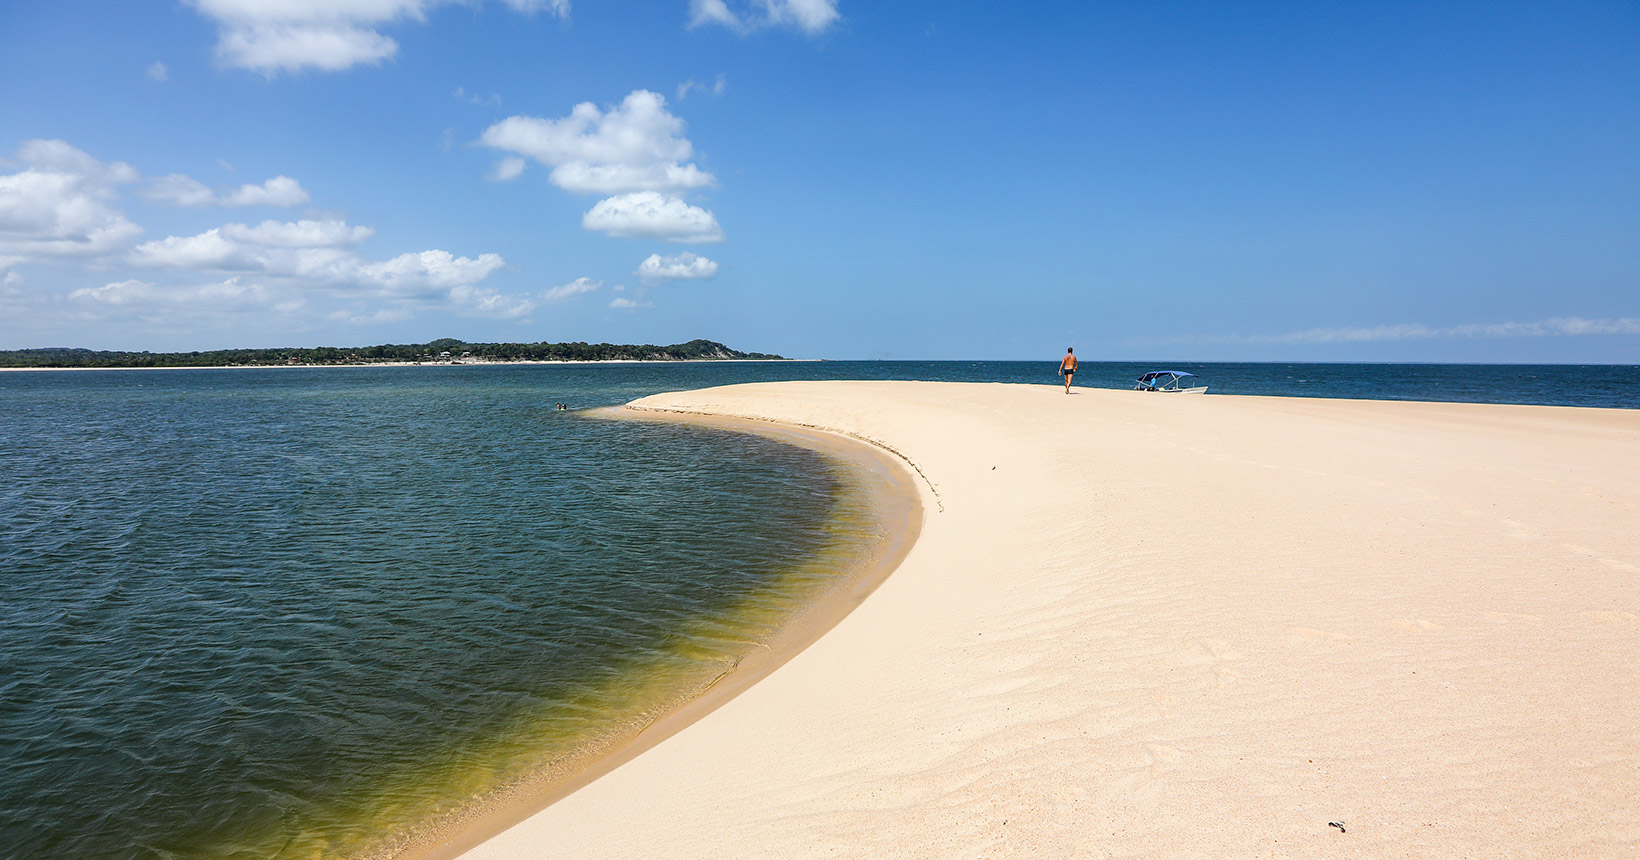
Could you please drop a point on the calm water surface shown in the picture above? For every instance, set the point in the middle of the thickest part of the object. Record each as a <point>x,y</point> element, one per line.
<point>284,613</point>
<point>289,613</point>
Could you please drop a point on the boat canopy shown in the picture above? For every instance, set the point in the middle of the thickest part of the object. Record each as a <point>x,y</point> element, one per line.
<point>1155,373</point>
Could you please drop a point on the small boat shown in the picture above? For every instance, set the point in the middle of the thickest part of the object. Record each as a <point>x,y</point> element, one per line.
<point>1174,381</point>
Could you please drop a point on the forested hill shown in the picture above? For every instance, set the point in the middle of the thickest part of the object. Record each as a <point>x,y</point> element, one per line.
<point>443,351</point>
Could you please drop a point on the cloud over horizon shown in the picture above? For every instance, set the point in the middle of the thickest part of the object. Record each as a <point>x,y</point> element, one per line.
<point>319,254</point>
<point>62,210</point>
<point>229,295</point>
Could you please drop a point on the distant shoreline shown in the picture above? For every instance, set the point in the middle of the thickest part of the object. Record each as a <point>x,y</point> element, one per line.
<point>446,351</point>
<point>468,363</point>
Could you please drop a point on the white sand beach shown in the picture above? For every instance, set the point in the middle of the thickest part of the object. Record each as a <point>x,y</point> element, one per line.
<point>1141,625</point>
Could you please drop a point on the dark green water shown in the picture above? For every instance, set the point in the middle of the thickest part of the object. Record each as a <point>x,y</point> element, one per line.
<point>293,613</point>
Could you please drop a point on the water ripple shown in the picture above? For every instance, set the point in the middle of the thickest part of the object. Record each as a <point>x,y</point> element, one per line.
<point>281,615</point>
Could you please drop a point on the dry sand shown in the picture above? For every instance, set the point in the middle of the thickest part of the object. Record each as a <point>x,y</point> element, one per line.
<point>1142,625</point>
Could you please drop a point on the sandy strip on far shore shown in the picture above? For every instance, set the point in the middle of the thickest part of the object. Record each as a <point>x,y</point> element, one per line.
<point>1141,625</point>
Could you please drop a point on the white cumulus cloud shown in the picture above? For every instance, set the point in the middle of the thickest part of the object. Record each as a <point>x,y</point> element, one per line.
<point>62,209</point>
<point>680,267</point>
<point>159,73</point>
<point>637,145</point>
<point>354,316</point>
<point>207,250</point>
<point>464,298</point>
<point>615,178</point>
<point>272,36</point>
<point>180,189</point>
<point>436,269</point>
<point>299,234</point>
<point>63,204</point>
<point>469,300</point>
<point>59,156</point>
<point>289,258</point>
<point>309,249</point>
<point>570,290</point>
<point>318,254</point>
<point>274,47</point>
<point>278,191</point>
<point>809,16</point>
<point>649,215</point>
<point>229,294</point>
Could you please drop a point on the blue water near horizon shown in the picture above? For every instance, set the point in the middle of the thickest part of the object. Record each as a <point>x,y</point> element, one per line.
<point>1591,385</point>
<point>278,612</point>
<point>1595,385</point>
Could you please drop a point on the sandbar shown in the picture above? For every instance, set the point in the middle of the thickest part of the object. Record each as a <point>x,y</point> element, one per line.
<point>1140,625</point>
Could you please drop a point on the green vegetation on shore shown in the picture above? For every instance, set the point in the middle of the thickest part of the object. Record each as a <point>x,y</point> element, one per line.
<point>444,350</point>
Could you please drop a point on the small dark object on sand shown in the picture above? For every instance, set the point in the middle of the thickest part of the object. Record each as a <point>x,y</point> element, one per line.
<point>1337,824</point>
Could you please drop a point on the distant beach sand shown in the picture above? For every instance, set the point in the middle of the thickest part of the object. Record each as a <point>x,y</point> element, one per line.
<point>1141,625</point>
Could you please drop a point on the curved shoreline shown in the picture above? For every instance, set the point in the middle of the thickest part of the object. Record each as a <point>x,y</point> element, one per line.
<point>1183,627</point>
<point>896,502</point>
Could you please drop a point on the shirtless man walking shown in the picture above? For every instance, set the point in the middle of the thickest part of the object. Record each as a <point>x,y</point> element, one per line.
<point>1067,367</point>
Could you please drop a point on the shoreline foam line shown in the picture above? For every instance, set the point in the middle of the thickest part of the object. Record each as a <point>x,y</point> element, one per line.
<point>1180,627</point>
<point>893,496</point>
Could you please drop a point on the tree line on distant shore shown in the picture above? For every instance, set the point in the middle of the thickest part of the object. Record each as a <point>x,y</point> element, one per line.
<point>444,350</point>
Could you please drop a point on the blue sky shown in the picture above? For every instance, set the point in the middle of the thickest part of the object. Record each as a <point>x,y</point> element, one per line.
<point>827,178</point>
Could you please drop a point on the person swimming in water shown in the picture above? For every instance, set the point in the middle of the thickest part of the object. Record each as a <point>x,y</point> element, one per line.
<point>1067,367</point>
